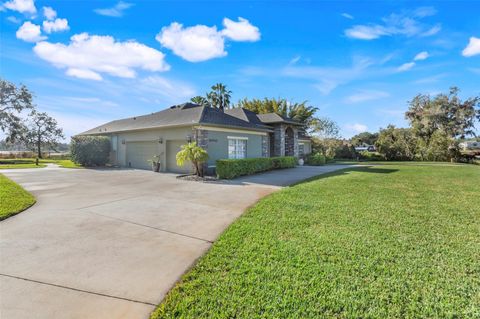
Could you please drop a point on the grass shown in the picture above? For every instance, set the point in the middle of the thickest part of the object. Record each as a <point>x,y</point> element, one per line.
<point>13,198</point>
<point>396,241</point>
<point>68,164</point>
<point>30,163</point>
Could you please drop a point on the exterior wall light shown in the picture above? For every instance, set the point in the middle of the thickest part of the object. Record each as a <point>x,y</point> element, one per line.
<point>160,140</point>
<point>189,138</point>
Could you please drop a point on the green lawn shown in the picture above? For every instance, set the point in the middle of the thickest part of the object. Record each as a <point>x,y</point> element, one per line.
<point>68,164</point>
<point>30,163</point>
<point>396,241</point>
<point>13,198</point>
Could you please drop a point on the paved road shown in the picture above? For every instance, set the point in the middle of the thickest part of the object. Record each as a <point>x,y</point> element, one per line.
<point>111,243</point>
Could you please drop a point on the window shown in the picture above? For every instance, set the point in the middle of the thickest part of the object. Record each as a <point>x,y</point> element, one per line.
<point>114,143</point>
<point>237,147</point>
<point>301,149</point>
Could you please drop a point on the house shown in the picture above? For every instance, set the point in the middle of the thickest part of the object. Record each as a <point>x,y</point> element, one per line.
<point>365,148</point>
<point>234,133</point>
<point>469,145</point>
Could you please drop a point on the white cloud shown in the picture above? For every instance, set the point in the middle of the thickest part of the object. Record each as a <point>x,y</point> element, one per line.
<point>364,32</point>
<point>430,79</point>
<point>174,91</point>
<point>328,78</point>
<point>30,32</point>
<point>406,66</point>
<point>421,56</point>
<point>242,30</point>
<point>366,95</point>
<point>201,42</point>
<point>356,128</point>
<point>49,13</point>
<point>294,60</point>
<point>87,56</point>
<point>473,47</point>
<point>405,23</point>
<point>116,11</point>
<point>423,12</point>
<point>432,31</point>
<point>83,74</point>
<point>347,16</point>
<point>55,26</point>
<point>22,6</point>
<point>13,19</point>
<point>194,44</point>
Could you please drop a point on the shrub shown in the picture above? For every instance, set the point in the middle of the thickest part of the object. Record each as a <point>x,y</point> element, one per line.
<point>371,156</point>
<point>90,150</point>
<point>345,152</point>
<point>231,168</point>
<point>316,159</point>
<point>283,162</point>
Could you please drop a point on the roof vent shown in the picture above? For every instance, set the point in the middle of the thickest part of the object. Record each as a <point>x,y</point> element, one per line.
<point>134,118</point>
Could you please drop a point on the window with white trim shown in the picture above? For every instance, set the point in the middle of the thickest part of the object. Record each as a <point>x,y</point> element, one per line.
<point>237,147</point>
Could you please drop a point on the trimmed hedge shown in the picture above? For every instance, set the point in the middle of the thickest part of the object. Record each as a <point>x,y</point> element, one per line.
<point>90,150</point>
<point>231,168</point>
<point>316,159</point>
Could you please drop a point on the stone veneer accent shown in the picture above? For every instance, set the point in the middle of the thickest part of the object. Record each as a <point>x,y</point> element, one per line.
<point>201,137</point>
<point>279,140</point>
<point>295,142</point>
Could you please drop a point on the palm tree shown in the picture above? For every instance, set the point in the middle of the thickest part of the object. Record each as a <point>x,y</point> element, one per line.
<point>301,112</point>
<point>200,100</point>
<point>190,152</point>
<point>219,97</point>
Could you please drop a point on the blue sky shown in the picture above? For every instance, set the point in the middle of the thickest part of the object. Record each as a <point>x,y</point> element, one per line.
<point>90,62</point>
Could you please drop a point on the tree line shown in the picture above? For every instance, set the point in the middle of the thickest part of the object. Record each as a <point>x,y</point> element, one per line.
<point>436,127</point>
<point>22,123</point>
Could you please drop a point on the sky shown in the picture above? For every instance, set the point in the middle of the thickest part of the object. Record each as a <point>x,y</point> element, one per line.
<point>359,62</point>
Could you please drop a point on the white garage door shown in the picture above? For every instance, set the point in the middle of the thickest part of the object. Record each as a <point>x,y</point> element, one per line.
<point>139,154</point>
<point>173,147</point>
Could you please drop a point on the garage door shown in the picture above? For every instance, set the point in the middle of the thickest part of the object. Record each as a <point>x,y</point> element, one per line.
<point>173,147</point>
<point>139,154</point>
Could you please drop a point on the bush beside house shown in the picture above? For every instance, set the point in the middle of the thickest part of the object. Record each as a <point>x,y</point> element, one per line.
<point>316,159</point>
<point>90,150</point>
<point>231,168</point>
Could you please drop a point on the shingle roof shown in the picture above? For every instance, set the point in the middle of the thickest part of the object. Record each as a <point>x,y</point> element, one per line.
<point>246,115</point>
<point>271,118</point>
<point>177,115</point>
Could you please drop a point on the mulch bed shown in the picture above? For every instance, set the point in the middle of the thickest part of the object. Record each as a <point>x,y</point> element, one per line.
<point>195,178</point>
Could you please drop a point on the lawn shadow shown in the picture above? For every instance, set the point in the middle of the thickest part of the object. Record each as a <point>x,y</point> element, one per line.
<point>348,170</point>
<point>300,174</point>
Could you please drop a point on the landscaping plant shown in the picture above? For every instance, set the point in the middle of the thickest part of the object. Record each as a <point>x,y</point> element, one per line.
<point>190,152</point>
<point>90,150</point>
<point>231,168</point>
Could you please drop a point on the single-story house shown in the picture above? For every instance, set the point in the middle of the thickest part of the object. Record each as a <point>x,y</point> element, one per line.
<point>469,145</point>
<point>233,133</point>
<point>365,148</point>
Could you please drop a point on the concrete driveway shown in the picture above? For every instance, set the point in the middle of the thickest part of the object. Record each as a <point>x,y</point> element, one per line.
<point>111,243</point>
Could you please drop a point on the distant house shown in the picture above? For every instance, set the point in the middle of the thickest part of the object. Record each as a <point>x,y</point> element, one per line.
<point>234,133</point>
<point>469,145</point>
<point>365,148</point>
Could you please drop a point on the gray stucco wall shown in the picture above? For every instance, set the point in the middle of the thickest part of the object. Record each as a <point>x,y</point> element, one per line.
<point>218,145</point>
<point>174,133</point>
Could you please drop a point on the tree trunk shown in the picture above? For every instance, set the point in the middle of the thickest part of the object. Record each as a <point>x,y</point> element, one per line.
<point>39,149</point>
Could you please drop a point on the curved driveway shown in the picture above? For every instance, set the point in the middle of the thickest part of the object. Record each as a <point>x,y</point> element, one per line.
<point>111,243</point>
